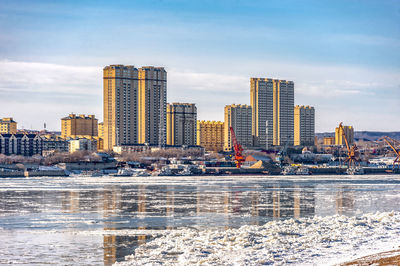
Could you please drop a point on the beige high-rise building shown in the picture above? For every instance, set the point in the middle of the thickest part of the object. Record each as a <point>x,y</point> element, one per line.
<point>152,105</point>
<point>304,125</point>
<point>8,126</point>
<point>348,131</point>
<point>120,105</point>
<point>210,135</point>
<point>181,124</point>
<point>272,101</point>
<point>100,130</point>
<point>79,126</point>
<point>238,117</point>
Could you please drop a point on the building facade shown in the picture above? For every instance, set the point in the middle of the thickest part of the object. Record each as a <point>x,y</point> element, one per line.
<point>100,130</point>
<point>181,124</point>
<point>239,117</point>
<point>82,145</point>
<point>329,141</point>
<point>152,105</point>
<point>210,135</point>
<point>348,131</point>
<point>134,105</point>
<point>8,126</point>
<point>272,101</point>
<point>120,106</point>
<point>304,125</point>
<point>21,144</point>
<point>54,143</point>
<point>74,126</point>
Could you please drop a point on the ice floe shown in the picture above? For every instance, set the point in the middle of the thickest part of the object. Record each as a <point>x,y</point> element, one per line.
<point>309,241</point>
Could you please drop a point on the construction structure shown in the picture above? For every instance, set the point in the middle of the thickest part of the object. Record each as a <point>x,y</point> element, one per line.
<point>237,148</point>
<point>391,142</point>
<point>79,126</point>
<point>8,126</point>
<point>272,102</point>
<point>304,125</point>
<point>352,152</point>
<point>210,135</point>
<point>238,116</point>
<point>181,124</point>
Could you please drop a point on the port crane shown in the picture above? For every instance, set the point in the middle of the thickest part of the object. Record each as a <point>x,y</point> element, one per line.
<point>352,151</point>
<point>391,142</point>
<point>237,148</point>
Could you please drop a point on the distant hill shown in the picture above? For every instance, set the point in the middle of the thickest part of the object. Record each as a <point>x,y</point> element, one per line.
<point>365,135</point>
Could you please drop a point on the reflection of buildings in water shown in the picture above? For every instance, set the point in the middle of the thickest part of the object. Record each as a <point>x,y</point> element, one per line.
<point>70,202</point>
<point>116,201</point>
<point>344,201</point>
<point>296,203</point>
<point>276,206</point>
<point>110,249</point>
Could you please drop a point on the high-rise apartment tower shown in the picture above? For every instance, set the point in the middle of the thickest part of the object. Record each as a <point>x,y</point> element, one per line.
<point>181,124</point>
<point>304,125</point>
<point>272,102</point>
<point>120,105</point>
<point>238,117</point>
<point>152,105</point>
<point>134,105</point>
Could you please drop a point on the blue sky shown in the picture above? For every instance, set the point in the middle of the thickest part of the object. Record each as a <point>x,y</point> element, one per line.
<point>344,56</point>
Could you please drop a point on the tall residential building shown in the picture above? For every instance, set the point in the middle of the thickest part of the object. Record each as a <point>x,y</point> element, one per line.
<point>100,130</point>
<point>239,118</point>
<point>74,126</point>
<point>8,126</point>
<point>272,101</point>
<point>304,125</point>
<point>152,105</point>
<point>181,124</point>
<point>210,135</point>
<point>120,105</point>
<point>348,131</point>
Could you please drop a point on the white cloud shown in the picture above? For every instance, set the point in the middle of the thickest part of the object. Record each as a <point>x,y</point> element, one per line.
<point>49,78</point>
<point>34,92</point>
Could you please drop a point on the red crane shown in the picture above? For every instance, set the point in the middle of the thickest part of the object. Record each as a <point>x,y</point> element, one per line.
<point>237,148</point>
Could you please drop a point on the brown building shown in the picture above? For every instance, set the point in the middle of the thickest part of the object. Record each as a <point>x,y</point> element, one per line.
<point>329,140</point>
<point>80,126</point>
<point>8,126</point>
<point>210,135</point>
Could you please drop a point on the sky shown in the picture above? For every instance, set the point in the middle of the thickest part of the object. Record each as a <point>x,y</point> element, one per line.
<point>343,56</point>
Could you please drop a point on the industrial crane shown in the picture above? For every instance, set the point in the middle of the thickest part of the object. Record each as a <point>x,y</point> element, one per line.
<point>237,148</point>
<point>391,143</point>
<point>351,151</point>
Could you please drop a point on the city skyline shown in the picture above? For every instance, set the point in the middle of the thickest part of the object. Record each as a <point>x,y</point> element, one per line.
<point>342,56</point>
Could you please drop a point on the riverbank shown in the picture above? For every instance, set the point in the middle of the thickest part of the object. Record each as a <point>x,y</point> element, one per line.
<point>383,258</point>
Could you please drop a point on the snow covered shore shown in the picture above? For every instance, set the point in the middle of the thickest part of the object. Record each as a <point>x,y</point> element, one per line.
<point>307,241</point>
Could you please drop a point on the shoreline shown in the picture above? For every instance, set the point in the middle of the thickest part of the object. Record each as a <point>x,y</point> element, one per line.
<point>391,257</point>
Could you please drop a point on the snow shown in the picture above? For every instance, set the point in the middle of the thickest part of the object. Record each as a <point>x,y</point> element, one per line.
<point>309,241</point>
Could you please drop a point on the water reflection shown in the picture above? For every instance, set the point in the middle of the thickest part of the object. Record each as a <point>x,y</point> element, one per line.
<point>161,205</point>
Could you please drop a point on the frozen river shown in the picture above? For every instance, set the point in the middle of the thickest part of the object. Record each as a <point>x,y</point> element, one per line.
<point>100,220</point>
